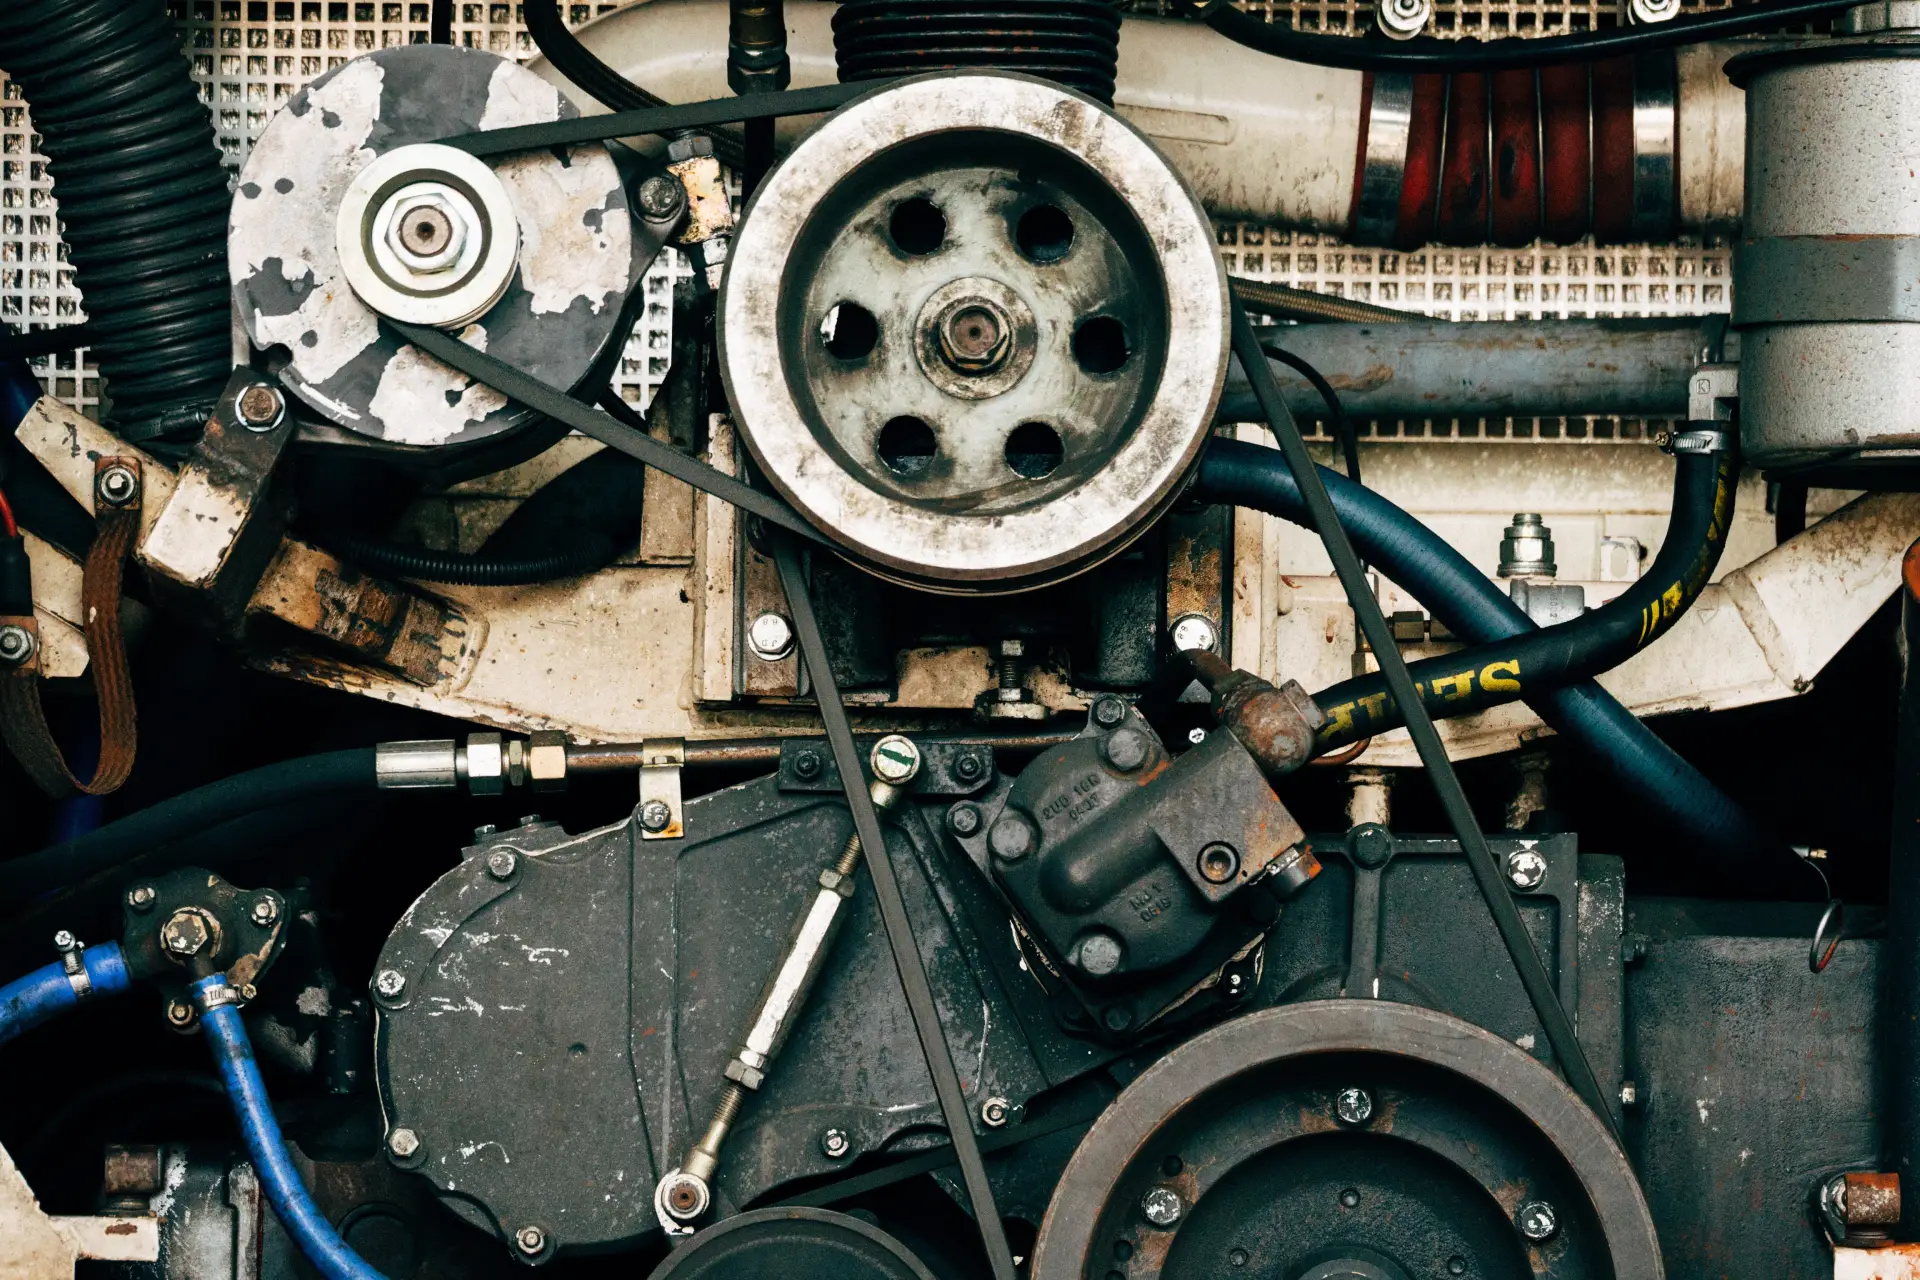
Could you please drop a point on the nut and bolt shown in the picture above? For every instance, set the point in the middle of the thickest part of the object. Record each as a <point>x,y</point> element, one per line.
<point>389,983</point>
<point>180,1014</point>
<point>1527,549</point>
<point>1403,19</point>
<point>117,485</point>
<point>770,636</point>
<point>425,231</point>
<point>530,1240</point>
<point>656,815</point>
<point>16,644</point>
<point>1353,1105</point>
<point>402,1144</point>
<point>660,198</point>
<point>1109,712</point>
<point>529,819</point>
<point>895,760</point>
<point>259,407</point>
<point>969,767</point>
<point>64,941</point>
<point>1196,736</point>
<point>1125,749</point>
<point>1009,665</point>
<point>974,336</point>
<point>1161,1206</point>
<point>1526,868</point>
<point>501,864</point>
<point>264,911</point>
<point>141,897</point>
<point>1218,863</point>
<point>835,1144</point>
<point>995,1112</point>
<point>484,830</point>
<point>806,765</point>
<point>1195,631</point>
<point>185,933</point>
<point>1012,838</point>
<point>1537,1221</point>
<point>1098,954</point>
<point>964,819</point>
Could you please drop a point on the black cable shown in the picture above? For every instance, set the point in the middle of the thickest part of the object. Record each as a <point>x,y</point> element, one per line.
<point>595,551</point>
<point>1488,675</point>
<point>1429,55</point>
<point>1426,739</point>
<point>1343,430</point>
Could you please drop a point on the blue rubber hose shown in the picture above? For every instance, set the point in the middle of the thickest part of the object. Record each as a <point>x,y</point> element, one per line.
<point>30,1001</point>
<point>292,1204</point>
<point>1475,609</point>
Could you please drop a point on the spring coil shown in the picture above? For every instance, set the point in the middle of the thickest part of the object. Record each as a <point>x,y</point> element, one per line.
<point>142,199</point>
<point>1071,42</point>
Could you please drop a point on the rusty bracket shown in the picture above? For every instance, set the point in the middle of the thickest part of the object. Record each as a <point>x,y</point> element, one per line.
<point>660,812</point>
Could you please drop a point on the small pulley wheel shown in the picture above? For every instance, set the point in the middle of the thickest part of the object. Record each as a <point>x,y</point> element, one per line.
<point>793,1244</point>
<point>974,328</point>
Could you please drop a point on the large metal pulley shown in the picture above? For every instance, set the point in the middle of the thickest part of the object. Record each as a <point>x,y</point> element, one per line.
<point>974,328</point>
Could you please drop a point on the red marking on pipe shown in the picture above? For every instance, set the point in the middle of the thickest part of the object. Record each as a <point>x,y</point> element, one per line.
<point>1516,158</point>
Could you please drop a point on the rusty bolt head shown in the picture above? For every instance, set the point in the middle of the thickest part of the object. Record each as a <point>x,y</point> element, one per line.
<point>1537,1221</point>
<point>1162,1207</point>
<point>403,1144</point>
<point>180,1014</point>
<point>1353,1105</point>
<point>1109,712</point>
<point>660,198</point>
<point>835,1144</point>
<point>683,1196</point>
<point>117,485</point>
<point>259,407</point>
<point>264,912</point>
<point>1218,863</point>
<point>16,645</point>
<point>1526,869</point>
<point>974,336</point>
<point>530,1240</point>
<point>185,933</point>
<point>501,864</point>
<point>995,1112</point>
<point>130,1171</point>
<point>656,815</point>
<point>389,983</point>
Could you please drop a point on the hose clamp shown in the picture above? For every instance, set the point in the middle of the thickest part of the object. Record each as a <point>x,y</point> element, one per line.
<point>213,992</point>
<point>1700,440</point>
<point>73,958</point>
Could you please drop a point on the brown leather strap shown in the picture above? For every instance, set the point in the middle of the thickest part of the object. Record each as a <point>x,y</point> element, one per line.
<point>23,721</point>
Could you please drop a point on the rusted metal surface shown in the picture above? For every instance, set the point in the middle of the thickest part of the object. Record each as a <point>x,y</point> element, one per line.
<point>424,639</point>
<point>1872,1199</point>
<point>1886,1262</point>
<point>1276,725</point>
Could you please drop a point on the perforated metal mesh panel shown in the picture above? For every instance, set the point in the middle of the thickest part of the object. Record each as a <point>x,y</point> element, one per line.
<point>249,56</point>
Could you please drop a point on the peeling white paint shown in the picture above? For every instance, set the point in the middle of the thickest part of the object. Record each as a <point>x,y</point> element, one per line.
<point>466,1004</point>
<point>1525,1042</point>
<point>516,98</point>
<point>313,1002</point>
<point>1701,1104</point>
<point>421,401</point>
<point>544,955</point>
<point>575,239</point>
<point>469,1152</point>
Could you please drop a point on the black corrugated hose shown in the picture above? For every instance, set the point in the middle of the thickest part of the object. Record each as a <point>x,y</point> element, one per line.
<point>143,200</point>
<point>1071,42</point>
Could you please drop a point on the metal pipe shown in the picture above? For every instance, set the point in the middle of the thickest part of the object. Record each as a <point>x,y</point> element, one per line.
<point>764,753</point>
<point>1900,953</point>
<point>1442,369</point>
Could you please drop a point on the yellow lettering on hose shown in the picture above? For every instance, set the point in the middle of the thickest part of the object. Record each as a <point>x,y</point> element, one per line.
<point>1491,681</point>
<point>1454,687</point>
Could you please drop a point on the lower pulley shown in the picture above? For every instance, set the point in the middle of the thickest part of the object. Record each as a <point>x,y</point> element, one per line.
<point>793,1244</point>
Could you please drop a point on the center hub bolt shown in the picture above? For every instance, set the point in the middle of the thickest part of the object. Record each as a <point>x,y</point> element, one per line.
<point>974,336</point>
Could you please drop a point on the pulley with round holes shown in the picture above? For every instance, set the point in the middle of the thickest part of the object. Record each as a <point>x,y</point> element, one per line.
<point>974,328</point>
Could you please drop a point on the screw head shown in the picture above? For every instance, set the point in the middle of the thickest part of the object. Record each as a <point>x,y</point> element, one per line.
<point>974,336</point>
<point>529,819</point>
<point>1012,837</point>
<point>64,941</point>
<point>1125,749</point>
<point>995,1112</point>
<point>964,819</point>
<point>1629,1094</point>
<point>1098,954</point>
<point>141,897</point>
<point>180,1013</point>
<point>530,1240</point>
<point>389,983</point>
<point>501,864</point>
<point>1195,631</point>
<point>402,1144</point>
<point>117,485</point>
<point>656,815</point>
<point>1403,19</point>
<point>185,933</point>
<point>264,911</point>
<point>1353,1105</point>
<point>1537,1221</point>
<point>835,1144</point>
<point>16,644</point>
<point>806,765</point>
<point>1161,1206</point>
<point>259,407</point>
<point>1109,712</point>
<point>770,636</point>
<point>1218,863</point>
<point>1196,736</point>
<point>484,830</point>
<point>425,231</point>
<point>1526,868</point>
<point>895,760</point>
<point>968,767</point>
<point>660,198</point>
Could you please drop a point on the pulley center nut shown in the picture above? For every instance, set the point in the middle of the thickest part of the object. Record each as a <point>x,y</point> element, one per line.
<point>974,336</point>
<point>425,231</point>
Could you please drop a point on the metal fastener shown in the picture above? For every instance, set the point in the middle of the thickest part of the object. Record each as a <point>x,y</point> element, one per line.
<point>995,1112</point>
<point>1162,1206</point>
<point>1629,1094</point>
<point>964,819</point>
<point>530,1240</point>
<point>660,198</point>
<point>835,1144</point>
<point>1403,19</point>
<point>1196,736</point>
<point>180,1013</point>
<point>806,765</point>
<point>1008,674</point>
<point>259,407</point>
<point>1537,1221</point>
<point>501,863</point>
<point>1011,838</point>
<point>141,897</point>
<point>656,815</point>
<point>1353,1105</point>
<point>1109,712</point>
<point>529,819</point>
<point>1218,863</point>
<point>389,983</point>
<point>264,912</point>
<point>402,1144</point>
<point>64,941</point>
<point>770,636</point>
<point>895,760</point>
<point>1125,749</point>
<point>184,933</point>
<point>484,830</point>
<point>1527,549</point>
<point>117,485</point>
<point>1098,954</point>
<point>968,767</point>
<point>1526,868</point>
<point>1195,631</point>
<point>16,644</point>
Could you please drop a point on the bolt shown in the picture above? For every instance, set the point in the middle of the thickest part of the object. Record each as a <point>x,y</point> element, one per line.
<point>389,983</point>
<point>530,1240</point>
<point>806,765</point>
<point>1527,549</point>
<point>1098,954</point>
<point>1526,868</point>
<point>180,1013</point>
<point>1109,712</point>
<point>117,485</point>
<point>656,815</point>
<point>529,819</point>
<point>660,198</point>
<point>770,636</point>
<point>835,1144</point>
<point>259,407</point>
<point>1235,983</point>
<point>974,336</point>
<point>969,767</point>
<point>1196,736</point>
<point>1629,1094</point>
<point>141,897</point>
<point>1218,863</point>
<point>963,819</point>
<point>1353,1105</point>
<point>685,1196</point>
<point>265,911</point>
<point>402,1144</point>
<point>1011,838</point>
<point>895,760</point>
<point>501,863</point>
<point>1010,655</point>
<point>1537,1221</point>
<point>1403,19</point>
<point>995,1112</point>
<point>1195,631</point>
<point>16,644</point>
<point>425,231</point>
<point>64,941</point>
<point>1162,1206</point>
<point>484,830</point>
<point>1125,749</point>
<point>184,933</point>
<point>1117,1018</point>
